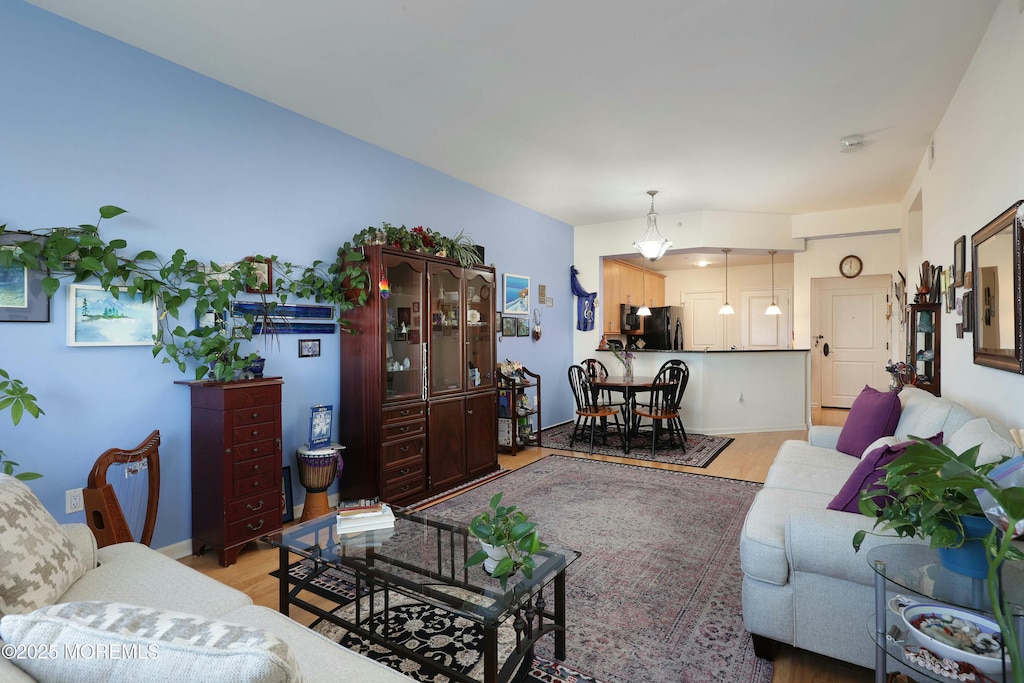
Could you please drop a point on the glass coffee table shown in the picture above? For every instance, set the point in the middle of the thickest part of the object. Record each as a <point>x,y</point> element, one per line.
<point>423,559</point>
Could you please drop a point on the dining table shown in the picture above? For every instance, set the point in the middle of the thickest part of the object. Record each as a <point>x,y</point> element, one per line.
<point>629,387</point>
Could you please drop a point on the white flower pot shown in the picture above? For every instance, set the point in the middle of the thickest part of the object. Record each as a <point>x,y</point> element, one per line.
<point>495,554</point>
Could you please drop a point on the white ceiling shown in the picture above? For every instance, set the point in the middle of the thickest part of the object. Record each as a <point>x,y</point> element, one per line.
<point>575,108</point>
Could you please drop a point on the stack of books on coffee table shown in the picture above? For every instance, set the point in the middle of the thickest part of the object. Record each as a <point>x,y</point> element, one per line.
<point>365,518</point>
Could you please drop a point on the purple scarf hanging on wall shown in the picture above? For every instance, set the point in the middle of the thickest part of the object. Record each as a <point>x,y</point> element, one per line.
<point>585,303</point>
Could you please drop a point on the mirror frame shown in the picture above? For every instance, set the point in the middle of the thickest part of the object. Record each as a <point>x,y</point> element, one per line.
<point>1013,217</point>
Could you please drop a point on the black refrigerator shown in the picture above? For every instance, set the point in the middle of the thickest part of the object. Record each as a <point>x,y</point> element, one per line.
<point>663,330</point>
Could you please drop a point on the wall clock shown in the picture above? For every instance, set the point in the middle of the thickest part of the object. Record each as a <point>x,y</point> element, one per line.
<point>850,266</point>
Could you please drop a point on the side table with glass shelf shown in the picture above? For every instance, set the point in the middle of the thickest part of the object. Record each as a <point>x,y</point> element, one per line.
<point>519,417</point>
<point>916,569</point>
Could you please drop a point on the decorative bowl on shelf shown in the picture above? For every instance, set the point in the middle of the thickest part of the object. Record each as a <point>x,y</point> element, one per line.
<point>956,634</point>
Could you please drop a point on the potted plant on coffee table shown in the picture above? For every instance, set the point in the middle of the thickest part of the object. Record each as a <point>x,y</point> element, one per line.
<point>928,491</point>
<point>509,541</point>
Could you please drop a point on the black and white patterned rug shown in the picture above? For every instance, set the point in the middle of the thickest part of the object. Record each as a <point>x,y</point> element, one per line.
<point>448,639</point>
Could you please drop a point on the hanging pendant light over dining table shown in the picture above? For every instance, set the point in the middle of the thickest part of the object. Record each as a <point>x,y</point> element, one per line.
<point>652,245</point>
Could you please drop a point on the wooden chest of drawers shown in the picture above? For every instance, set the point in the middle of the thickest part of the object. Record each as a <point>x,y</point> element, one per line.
<point>236,464</point>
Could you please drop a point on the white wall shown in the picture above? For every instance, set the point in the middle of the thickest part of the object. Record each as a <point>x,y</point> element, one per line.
<point>977,173</point>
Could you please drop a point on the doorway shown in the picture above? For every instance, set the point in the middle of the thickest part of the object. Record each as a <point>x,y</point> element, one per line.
<point>850,338</point>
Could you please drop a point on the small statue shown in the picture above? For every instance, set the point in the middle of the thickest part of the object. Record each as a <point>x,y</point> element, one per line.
<point>603,346</point>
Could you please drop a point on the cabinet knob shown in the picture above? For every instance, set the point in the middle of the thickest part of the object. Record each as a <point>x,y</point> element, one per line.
<point>255,484</point>
<point>256,449</point>
<point>255,415</point>
<point>255,432</point>
<point>255,528</point>
<point>255,508</point>
<point>255,468</point>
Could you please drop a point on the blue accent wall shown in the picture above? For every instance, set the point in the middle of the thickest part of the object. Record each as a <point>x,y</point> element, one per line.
<point>88,120</point>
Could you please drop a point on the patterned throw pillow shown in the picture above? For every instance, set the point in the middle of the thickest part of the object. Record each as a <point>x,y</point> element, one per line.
<point>111,641</point>
<point>39,561</point>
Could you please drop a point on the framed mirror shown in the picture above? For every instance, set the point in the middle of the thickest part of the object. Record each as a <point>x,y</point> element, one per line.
<point>996,264</point>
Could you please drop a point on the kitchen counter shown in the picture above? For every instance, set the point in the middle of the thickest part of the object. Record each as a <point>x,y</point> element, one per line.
<point>735,391</point>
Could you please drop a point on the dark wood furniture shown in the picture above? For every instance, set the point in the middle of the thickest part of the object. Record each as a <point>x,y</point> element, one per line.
<point>924,346</point>
<point>236,464</point>
<point>418,404</point>
<point>516,427</point>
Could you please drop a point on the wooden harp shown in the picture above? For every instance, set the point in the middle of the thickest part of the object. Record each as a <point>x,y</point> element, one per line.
<point>103,511</point>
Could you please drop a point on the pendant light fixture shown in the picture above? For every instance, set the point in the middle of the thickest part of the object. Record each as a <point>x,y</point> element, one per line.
<point>652,245</point>
<point>644,309</point>
<point>773,308</point>
<point>726,309</point>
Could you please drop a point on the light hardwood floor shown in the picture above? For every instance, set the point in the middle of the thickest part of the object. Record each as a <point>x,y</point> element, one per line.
<point>747,458</point>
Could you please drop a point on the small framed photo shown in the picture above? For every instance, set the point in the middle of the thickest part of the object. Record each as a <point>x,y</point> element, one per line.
<point>22,299</point>
<point>968,308</point>
<point>309,348</point>
<point>98,318</point>
<point>969,279</point>
<point>522,327</point>
<point>415,306</point>
<point>414,336</point>
<point>959,260</point>
<point>517,294</point>
<point>287,503</point>
<point>320,419</point>
<point>264,276</point>
<point>508,326</point>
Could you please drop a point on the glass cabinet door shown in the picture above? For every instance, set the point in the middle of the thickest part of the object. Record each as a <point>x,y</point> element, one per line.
<point>479,329</point>
<point>404,357</point>
<point>446,329</point>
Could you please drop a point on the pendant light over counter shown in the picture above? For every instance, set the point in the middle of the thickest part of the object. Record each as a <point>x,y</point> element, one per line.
<point>726,309</point>
<point>773,308</point>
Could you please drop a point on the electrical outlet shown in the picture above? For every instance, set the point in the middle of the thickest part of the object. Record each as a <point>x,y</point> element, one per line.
<point>73,501</point>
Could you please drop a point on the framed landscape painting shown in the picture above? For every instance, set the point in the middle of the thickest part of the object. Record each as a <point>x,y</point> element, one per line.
<point>97,318</point>
<point>22,299</point>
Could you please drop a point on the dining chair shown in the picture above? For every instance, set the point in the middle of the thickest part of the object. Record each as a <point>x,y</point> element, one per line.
<point>589,410</point>
<point>666,395</point>
<point>597,370</point>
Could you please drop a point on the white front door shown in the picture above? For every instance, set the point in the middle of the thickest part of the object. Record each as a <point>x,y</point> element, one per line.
<point>852,341</point>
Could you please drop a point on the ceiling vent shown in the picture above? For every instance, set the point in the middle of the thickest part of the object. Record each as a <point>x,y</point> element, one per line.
<point>851,143</point>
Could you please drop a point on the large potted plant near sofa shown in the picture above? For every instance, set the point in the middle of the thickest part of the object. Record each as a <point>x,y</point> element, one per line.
<point>929,491</point>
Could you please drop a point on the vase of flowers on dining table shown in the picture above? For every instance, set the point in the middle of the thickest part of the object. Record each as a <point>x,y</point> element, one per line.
<point>626,358</point>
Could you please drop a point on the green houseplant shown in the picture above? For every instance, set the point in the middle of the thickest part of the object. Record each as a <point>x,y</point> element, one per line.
<point>509,529</point>
<point>14,396</point>
<point>926,490</point>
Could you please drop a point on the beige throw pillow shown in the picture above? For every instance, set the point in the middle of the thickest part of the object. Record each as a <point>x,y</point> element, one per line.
<point>86,642</point>
<point>39,561</point>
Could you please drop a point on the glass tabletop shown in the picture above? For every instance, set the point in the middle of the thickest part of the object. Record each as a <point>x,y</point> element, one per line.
<point>917,568</point>
<point>423,556</point>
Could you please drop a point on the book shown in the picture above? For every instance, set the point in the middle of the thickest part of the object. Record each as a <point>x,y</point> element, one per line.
<point>361,511</point>
<point>366,521</point>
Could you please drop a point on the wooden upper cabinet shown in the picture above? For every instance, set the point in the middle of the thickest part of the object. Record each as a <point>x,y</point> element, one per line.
<point>632,286</point>
<point>624,283</point>
<point>654,283</point>
<point>610,296</point>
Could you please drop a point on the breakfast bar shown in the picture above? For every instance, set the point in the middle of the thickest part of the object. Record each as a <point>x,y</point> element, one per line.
<point>733,392</point>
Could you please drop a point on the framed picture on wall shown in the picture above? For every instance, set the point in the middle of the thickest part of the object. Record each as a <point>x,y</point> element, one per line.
<point>522,327</point>
<point>959,260</point>
<point>516,294</point>
<point>22,299</point>
<point>96,318</point>
<point>508,326</point>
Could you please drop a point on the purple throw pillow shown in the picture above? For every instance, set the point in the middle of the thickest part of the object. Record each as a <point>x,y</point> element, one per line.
<point>868,473</point>
<point>874,414</point>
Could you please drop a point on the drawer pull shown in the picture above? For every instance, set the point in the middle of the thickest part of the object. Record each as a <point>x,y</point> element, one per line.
<point>255,528</point>
<point>405,471</point>
<point>404,429</point>
<point>255,468</point>
<point>255,432</point>
<point>256,449</point>
<point>406,487</point>
<point>256,508</point>
<point>469,412</point>
<point>404,412</point>
<point>405,448</point>
<point>255,415</point>
<point>255,484</point>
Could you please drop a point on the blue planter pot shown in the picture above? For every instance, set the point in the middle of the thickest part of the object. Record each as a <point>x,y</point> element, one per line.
<point>970,558</point>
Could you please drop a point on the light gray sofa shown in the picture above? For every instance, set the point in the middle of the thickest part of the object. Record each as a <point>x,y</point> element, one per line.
<point>60,566</point>
<point>803,584</point>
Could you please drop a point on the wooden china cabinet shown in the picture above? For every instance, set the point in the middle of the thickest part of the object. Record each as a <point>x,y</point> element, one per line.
<point>418,403</point>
